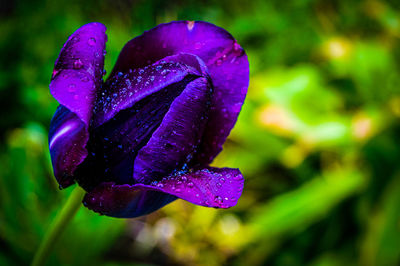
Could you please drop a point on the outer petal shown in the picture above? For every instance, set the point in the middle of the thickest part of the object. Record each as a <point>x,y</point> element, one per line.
<point>67,139</point>
<point>78,70</point>
<point>212,187</point>
<point>76,77</point>
<point>175,140</point>
<point>226,61</point>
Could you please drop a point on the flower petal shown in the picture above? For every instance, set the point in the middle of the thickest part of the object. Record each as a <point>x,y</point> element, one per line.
<point>114,145</point>
<point>122,91</point>
<point>125,201</point>
<point>175,140</point>
<point>211,187</point>
<point>78,70</point>
<point>68,136</point>
<point>226,61</point>
<point>77,75</point>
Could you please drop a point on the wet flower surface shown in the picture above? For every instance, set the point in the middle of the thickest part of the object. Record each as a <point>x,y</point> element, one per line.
<point>147,135</point>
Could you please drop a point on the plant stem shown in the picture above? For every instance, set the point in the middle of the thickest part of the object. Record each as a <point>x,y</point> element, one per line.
<point>55,230</point>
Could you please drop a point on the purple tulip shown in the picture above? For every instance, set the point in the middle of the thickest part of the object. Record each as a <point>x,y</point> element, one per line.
<point>147,135</point>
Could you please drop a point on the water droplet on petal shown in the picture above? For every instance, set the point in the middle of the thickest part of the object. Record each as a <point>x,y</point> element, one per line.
<point>218,199</point>
<point>71,87</point>
<point>198,45</point>
<point>219,62</point>
<point>91,41</point>
<point>78,64</point>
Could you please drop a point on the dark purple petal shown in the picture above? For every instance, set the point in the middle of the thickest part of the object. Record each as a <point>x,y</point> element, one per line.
<point>114,145</point>
<point>122,91</point>
<point>211,187</point>
<point>226,61</point>
<point>175,140</point>
<point>68,136</point>
<point>78,70</point>
<point>76,78</point>
<point>125,201</point>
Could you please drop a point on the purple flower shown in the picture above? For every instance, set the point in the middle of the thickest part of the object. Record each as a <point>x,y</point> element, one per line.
<point>147,135</point>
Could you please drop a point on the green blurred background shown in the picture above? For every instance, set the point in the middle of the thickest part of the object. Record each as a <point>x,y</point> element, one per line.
<point>318,139</point>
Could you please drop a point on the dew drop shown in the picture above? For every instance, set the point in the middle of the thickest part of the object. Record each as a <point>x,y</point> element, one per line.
<point>91,41</point>
<point>190,184</point>
<point>72,87</point>
<point>198,45</point>
<point>78,64</point>
<point>237,177</point>
<point>218,199</point>
<point>219,62</point>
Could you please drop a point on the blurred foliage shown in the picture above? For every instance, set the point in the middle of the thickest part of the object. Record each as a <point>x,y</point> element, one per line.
<point>317,140</point>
